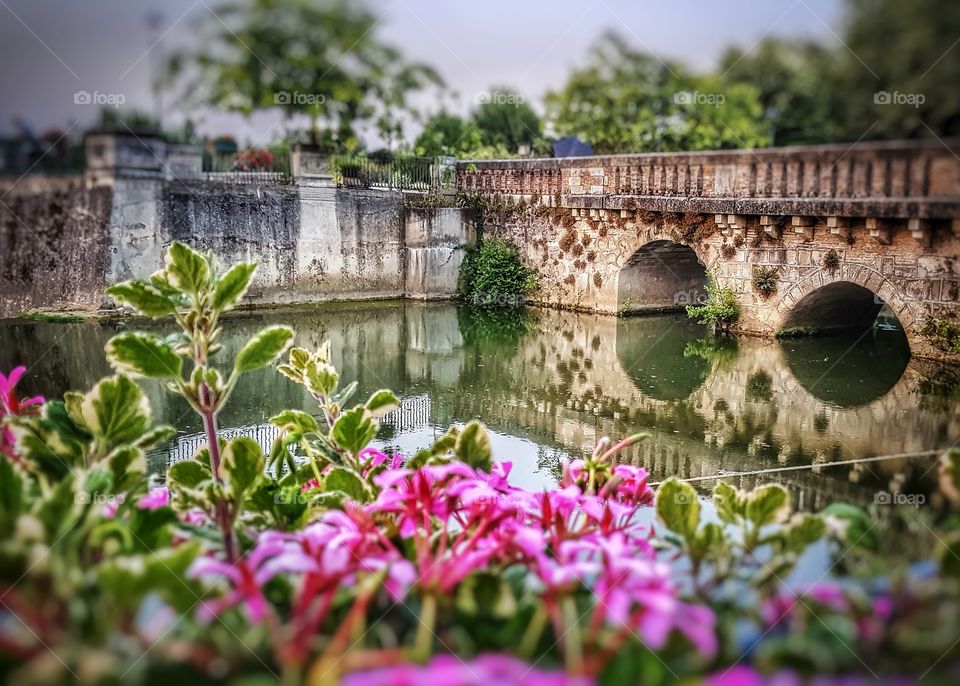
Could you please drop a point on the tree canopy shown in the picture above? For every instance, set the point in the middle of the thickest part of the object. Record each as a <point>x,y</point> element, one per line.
<point>319,59</point>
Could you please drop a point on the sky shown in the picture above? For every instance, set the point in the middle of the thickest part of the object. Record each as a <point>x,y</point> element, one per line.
<point>52,49</point>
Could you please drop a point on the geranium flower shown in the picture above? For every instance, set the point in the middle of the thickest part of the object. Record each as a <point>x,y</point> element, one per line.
<point>155,499</point>
<point>449,670</point>
<point>247,578</point>
<point>11,404</point>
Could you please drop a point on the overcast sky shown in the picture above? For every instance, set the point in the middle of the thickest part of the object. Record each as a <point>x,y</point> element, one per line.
<point>50,49</point>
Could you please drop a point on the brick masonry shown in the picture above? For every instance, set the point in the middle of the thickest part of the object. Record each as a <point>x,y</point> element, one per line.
<point>883,216</point>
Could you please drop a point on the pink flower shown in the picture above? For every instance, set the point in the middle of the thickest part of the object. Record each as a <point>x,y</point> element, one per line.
<point>155,499</point>
<point>10,404</point>
<point>449,670</point>
<point>246,577</point>
<point>630,485</point>
<point>110,508</point>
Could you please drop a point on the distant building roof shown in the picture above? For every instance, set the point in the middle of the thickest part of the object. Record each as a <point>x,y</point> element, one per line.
<point>572,146</point>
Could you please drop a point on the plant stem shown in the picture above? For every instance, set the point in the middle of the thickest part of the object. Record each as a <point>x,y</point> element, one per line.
<point>223,516</point>
<point>423,643</point>
<point>531,637</point>
<point>572,647</point>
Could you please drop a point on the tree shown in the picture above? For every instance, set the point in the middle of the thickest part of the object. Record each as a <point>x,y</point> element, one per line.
<point>799,90</point>
<point>626,100</point>
<point>319,59</point>
<point>504,118</point>
<point>909,52</point>
<point>447,134</point>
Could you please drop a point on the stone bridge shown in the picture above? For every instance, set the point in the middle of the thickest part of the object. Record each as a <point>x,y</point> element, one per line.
<point>816,237</point>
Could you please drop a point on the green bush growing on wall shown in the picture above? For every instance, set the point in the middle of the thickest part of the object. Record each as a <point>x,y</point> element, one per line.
<point>721,309</point>
<point>492,275</point>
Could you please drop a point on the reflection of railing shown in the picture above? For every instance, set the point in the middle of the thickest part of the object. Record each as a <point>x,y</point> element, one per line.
<point>413,413</point>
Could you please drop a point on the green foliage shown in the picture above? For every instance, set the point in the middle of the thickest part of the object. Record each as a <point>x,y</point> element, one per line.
<point>505,119</point>
<point>624,100</point>
<point>300,67</point>
<point>765,280</point>
<point>721,309</point>
<point>943,332</point>
<point>492,274</point>
<point>192,289</point>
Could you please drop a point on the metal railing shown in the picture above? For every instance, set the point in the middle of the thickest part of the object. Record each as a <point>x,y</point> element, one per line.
<point>400,173</point>
<point>246,166</point>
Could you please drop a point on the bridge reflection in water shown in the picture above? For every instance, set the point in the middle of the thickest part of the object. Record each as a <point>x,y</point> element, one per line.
<point>549,384</point>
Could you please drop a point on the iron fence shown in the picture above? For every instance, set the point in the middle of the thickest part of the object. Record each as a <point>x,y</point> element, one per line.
<point>246,166</point>
<point>400,173</point>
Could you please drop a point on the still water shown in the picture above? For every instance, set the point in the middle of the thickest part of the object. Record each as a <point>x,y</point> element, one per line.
<point>549,384</point>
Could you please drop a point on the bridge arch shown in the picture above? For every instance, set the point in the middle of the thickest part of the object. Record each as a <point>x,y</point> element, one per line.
<point>847,299</point>
<point>660,274</point>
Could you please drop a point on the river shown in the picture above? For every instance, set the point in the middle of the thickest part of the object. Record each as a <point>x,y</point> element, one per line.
<point>548,384</point>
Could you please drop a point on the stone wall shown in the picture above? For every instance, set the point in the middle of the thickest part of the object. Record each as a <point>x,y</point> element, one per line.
<point>63,240</point>
<point>582,255</point>
<point>54,237</point>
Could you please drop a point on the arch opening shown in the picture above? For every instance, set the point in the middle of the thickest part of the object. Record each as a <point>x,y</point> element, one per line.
<point>844,344</point>
<point>662,276</point>
<point>836,308</point>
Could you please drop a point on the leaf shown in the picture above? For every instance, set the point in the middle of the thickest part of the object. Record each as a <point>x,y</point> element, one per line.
<point>678,507</point>
<point>242,464</point>
<point>232,286</point>
<point>348,482</point>
<point>354,429</point>
<point>126,463</point>
<point>143,297</point>
<point>852,525</point>
<point>729,503</point>
<point>768,504</point>
<point>948,553</point>
<point>473,446</point>
<point>155,437</point>
<point>803,530</point>
<point>263,348</point>
<point>141,354</point>
<point>320,378</point>
<point>187,474</point>
<point>11,497</point>
<point>115,411</point>
<point>381,402</point>
<point>187,269</point>
<point>299,357</point>
<point>341,397</point>
<point>53,441</point>
<point>295,420</point>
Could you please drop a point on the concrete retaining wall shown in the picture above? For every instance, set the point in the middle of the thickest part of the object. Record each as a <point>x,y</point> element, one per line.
<point>63,240</point>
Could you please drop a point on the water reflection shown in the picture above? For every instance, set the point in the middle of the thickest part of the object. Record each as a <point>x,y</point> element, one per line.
<point>849,370</point>
<point>550,384</point>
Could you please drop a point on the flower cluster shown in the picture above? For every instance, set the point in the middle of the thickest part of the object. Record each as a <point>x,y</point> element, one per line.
<point>451,671</point>
<point>12,405</point>
<point>453,521</point>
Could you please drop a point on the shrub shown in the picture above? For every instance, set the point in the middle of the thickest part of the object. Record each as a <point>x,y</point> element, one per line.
<point>943,333</point>
<point>831,260</point>
<point>492,274</point>
<point>765,280</point>
<point>721,309</point>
